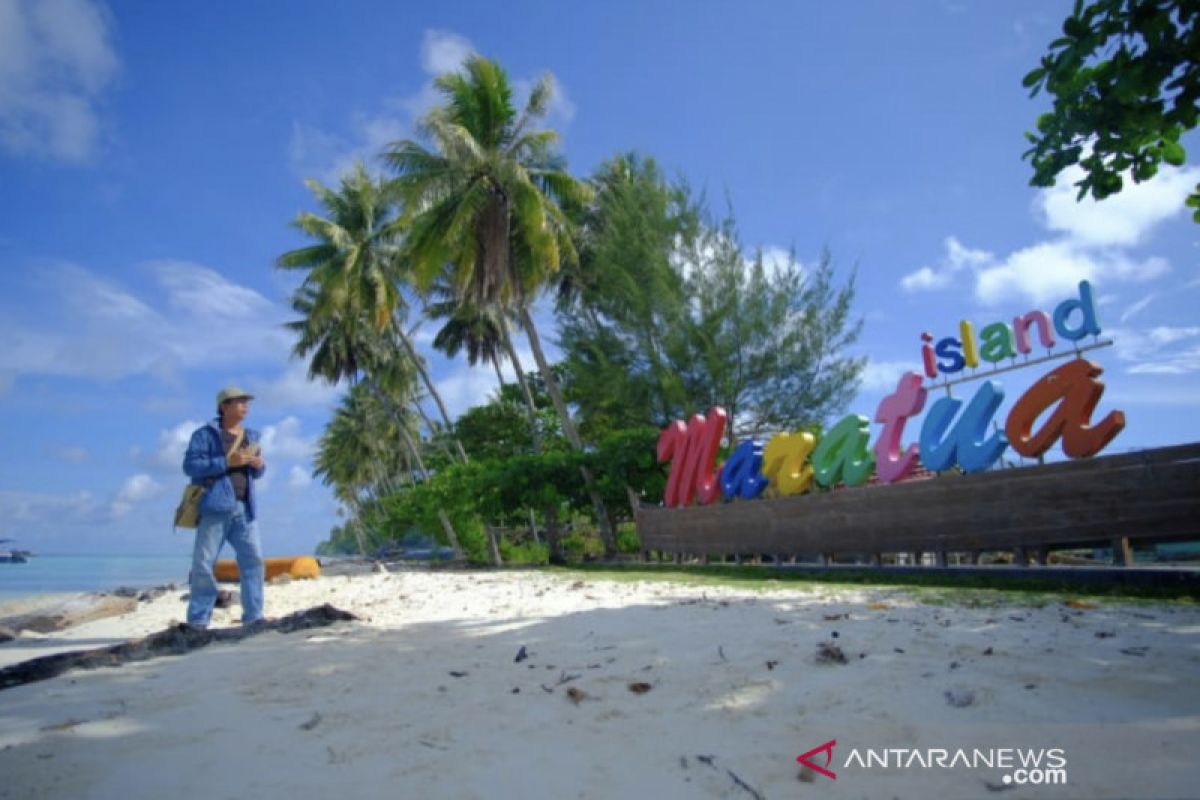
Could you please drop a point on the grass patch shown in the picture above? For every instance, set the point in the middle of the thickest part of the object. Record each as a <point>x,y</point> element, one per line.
<point>932,588</point>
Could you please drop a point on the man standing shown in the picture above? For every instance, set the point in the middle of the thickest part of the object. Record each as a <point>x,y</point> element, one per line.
<point>226,458</point>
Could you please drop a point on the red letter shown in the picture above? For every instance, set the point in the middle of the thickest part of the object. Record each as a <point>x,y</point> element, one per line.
<point>692,451</point>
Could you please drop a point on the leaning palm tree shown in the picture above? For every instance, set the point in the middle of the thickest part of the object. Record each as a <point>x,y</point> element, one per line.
<point>487,199</point>
<point>342,346</point>
<point>354,264</point>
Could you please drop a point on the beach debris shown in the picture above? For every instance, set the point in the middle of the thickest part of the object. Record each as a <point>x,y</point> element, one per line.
<point>954,665</point>
<point>547,689</point>
<point>899,650</point>
<point>576,695</point>
<point>563,677</point>
<point>878,606</point>
<point>1104,634</point>
<point>829,653</point>
<point>737,780</point>
<point>227,598</point>
<point>1030,686</point>
<point>1072,603</point>
<point>772,665</point>
<point>454,673</point>
<point>807,774</point>
<point>1140,650</point>
<point>960,698</point>
<point>578,585</point>
<point>313,722</point>
<point>987,651</point>
<point>999,787</point>
<point>174,640</point>
<point>68,725</point>
<point>522,654</point>
<point>721,652</point>
<point>833,617</point>
<point>58,613</point>
<point>280,579</point>
<point>515,690</point>
<point>781,621</point>
<point>834,634</point>
<point>640,687</point>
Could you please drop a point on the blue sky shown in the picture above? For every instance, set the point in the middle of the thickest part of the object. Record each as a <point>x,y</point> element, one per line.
<point>152,156</point>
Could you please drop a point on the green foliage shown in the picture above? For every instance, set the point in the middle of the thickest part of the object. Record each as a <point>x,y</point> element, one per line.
<point>525,553</point>
<point>1126,85</point>
<point>685,322</point>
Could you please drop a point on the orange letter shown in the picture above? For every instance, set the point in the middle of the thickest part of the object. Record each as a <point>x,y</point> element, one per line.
<point>1075,388</point>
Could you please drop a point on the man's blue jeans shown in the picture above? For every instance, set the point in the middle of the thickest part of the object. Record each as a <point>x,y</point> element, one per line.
<point>242,534</point>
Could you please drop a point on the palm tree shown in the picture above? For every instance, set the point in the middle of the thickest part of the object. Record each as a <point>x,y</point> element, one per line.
<point>346,346</point>
<point>488,201</point>
<point>354,456</point>
<point>354,266</point>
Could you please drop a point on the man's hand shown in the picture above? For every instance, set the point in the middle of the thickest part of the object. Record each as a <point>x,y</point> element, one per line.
<point>241,458</point>
<point>256,461</point>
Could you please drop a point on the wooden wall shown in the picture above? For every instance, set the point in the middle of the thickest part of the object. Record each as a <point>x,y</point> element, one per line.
<point>1150,495</point>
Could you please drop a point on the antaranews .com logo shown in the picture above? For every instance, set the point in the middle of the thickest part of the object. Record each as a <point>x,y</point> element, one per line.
<point>1021,765</point>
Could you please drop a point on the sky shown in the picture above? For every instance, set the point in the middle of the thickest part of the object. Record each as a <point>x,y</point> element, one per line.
<point>152,156</point>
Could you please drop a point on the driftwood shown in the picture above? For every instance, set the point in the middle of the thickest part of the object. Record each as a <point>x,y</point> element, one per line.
<point>67,613</point>
<point>175,640</point>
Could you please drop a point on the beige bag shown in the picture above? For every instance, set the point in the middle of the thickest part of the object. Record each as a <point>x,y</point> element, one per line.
<point>187,513</point>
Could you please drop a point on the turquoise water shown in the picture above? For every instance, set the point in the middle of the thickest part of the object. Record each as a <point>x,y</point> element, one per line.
<point>48,574</point>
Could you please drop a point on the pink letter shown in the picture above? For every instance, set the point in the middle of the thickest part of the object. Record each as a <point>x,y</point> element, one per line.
<point>1021,330</point>
<point>894,410</point>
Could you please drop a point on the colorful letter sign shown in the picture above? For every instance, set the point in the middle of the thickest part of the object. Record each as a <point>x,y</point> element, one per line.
<point>953,434</point>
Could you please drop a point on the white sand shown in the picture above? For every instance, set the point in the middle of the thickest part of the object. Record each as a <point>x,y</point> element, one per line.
<point>371,710</point>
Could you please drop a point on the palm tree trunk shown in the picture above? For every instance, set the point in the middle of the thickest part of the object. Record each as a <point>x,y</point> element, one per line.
<point>602,520</point>
<point>433,432</point>
<point>415,452</point>
<point>499,376</point>
<point>520,372</point>
<point>433,392</point>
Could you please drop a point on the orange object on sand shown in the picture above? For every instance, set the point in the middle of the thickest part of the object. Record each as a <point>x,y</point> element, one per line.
<point>296,566</point>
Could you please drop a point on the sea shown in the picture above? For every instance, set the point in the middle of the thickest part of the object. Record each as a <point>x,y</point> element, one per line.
<point>57,574</point>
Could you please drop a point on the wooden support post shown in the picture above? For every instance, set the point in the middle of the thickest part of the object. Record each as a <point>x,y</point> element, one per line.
<point>1020,557</point>
<point>1038,555</point>
<point>916,558</point>
<point>941,557</point>
<point>1122,552</point>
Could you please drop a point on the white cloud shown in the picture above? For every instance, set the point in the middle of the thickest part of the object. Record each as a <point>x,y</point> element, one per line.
<point>1137,308</point>
<point>20,509</point>
<point>1123,219</point>
<point>172,444</point>
<point>1091,244</point>
<point>956,259</point>
<point>293,388</point>
<point>882,376</point>
<point>467,387</point>
<point>1053,270</point>
<point>284,441</point>
<point>136,489</point>
<point>1162,350</point>
<point>73,455</point>
<point>89,326</point>
<point>444,51</point>
<point>299,478</point>
<point>56,61</point>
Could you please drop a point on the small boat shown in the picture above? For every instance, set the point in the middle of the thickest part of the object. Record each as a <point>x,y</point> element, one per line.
<point>13,556</point>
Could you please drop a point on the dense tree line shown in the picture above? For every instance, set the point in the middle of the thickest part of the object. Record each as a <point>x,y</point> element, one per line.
<point>659,311</point>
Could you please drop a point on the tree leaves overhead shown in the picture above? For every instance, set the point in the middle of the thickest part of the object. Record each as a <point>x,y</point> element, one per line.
<point>1125,79</point>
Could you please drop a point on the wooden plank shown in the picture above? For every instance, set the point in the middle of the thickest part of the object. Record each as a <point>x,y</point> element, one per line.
<point>1150,495</point>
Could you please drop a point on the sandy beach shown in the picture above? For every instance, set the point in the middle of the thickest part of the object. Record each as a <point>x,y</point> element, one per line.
<point>538,685</point>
